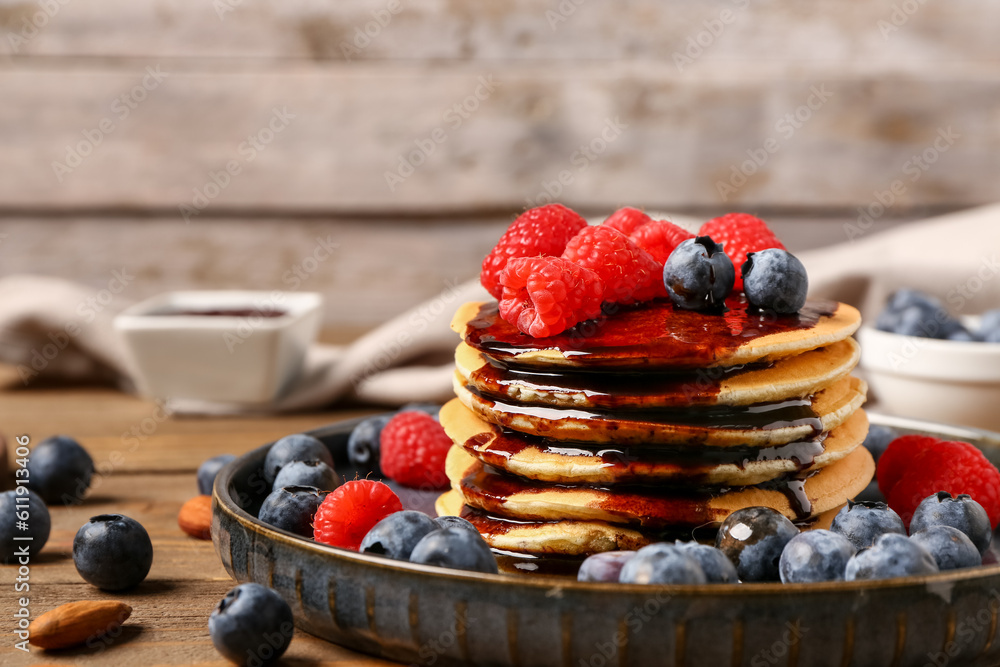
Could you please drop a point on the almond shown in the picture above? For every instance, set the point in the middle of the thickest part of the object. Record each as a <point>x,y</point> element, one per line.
<point>195,517</point>
<point>76,622</point>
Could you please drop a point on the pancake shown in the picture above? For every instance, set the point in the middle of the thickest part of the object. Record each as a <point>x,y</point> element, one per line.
<point>657,335</point>
<point>754,426</point>
<point>791,377</point>
<point>651,507</point>
<point>579,463</point>
<point>568,538</point>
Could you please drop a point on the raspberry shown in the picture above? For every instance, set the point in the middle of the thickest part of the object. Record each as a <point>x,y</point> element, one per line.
<point>539,231</point>
<point>628,272</point>
<point>954,467</point>
<point>348,513</point>
<point>896,458</point>
<point>544,296</point>
<point>660,238</point>
<point>740,233</point>
<point>627,220</point>
<point>413,449</point>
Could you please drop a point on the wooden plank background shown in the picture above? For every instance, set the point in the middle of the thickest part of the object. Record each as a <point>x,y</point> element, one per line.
<point>100,158</point>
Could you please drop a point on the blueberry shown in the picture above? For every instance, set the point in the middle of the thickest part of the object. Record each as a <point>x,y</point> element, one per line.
<point>298,447</point>
<point>989,326</point>
<point>26,506</point>
<point>753,539</point>
<point>878,440</point>
<point>716,565</point>
<point>698,274</point>
<point>363,443</point>
<point>397,534</point>
<point>605,566</point>
<point>59,470</point>
<point>965,336</point>
<point>913,313</point>
<point>952,549</point>
<point>901,301</point>
<point>433,409</point>
<point>307,473</point>
<point>961,512</point>
<point>775,280</point>
<point>455,522</point>
<point>862,522</point>
<point>662,564</point>
<point>457,548</point>
<point>892,555</point>
<point>112,552</point>
<point>292,508</point>
<point>208,471</point>
<point>252,625</point>
<point>815,555</point>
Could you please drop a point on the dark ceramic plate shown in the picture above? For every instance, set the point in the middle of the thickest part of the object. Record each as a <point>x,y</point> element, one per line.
<point>433,616</point>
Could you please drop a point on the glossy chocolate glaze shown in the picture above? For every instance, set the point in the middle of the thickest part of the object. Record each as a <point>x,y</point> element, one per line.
<point>654,334</point>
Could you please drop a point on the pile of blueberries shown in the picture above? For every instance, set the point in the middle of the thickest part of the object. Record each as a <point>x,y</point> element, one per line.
<point>867,540</point>
<point>911,312</point>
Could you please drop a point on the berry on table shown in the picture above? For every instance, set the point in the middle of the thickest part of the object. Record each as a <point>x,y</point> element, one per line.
<point>395,536</point>
<point>627,220</point>
<point>716,565</point>
<point>456,548</point>
<point>862,522</point>
<point>414,447</point>
<point>753,539</point>
<point>363,443</point>
<point>28,507</point>
<point>951,548</point>
<point>59,470</point>
<point>892,555</point>
<point>775,280</point>
<point>251,625</point>
<point>307,473</point>
<point>960,512</point>
<point>112,552</point>
<point>346,515</point>
<point>741,234</point>
<point>297,447</point>
<point>544,296</point>
<point>606,566</point>
<point>662,563</point>
<point>660,238</point>
<point>815,555</point>
<point>209,470</point>
<point>544,230</point>
<point>698,275</point>
<point>629,273</point>
<point>292,508</point>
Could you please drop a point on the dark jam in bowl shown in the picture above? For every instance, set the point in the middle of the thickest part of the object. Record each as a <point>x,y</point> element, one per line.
<point>224,312</point>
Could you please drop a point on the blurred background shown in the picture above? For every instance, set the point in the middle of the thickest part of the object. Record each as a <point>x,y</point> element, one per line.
<point>374,150</point>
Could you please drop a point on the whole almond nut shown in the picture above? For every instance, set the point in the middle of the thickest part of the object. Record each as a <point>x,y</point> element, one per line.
<point>74,623</point>
<point>195,517</point>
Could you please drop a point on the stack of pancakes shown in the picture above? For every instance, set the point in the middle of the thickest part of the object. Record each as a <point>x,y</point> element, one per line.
<point>650,422</point>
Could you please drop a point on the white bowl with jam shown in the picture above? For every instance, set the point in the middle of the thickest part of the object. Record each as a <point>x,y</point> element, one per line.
<point>241,347</point>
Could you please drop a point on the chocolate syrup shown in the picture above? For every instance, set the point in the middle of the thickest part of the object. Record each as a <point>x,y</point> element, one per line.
<point>668,337</point>
<point>224,312</point>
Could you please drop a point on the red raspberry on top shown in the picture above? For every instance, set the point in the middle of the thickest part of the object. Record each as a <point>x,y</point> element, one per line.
<point>740,233</point>
<point>954,467</point>
<point>897,456</point>
<point>544,296</point>
<point>413,449</point>
<point>347,514</point>
<point>628,272</point>
<point>627,220</point>
<point>660,238</point>
<point>538,231</point>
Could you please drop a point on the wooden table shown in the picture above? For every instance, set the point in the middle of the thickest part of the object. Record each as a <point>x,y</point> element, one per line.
<point>169,623</point>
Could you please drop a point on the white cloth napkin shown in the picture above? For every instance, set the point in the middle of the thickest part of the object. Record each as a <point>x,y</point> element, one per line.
<point>59,329</point>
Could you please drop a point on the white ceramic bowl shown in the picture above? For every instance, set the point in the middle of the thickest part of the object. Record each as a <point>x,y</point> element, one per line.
<point>941,380</point>
<point>179,352</point>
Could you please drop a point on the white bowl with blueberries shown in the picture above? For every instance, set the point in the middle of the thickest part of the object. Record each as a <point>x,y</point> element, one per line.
<point>922,362</point>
